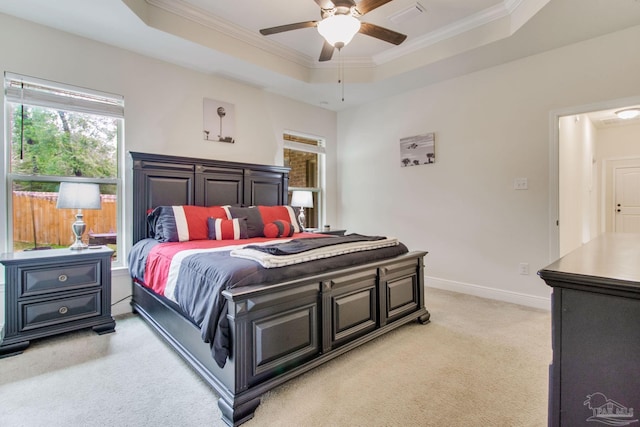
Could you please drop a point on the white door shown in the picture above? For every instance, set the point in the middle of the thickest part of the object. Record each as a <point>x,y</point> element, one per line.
<point>627,200</point>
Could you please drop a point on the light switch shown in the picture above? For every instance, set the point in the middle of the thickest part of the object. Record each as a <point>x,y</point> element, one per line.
<point>521,184</point>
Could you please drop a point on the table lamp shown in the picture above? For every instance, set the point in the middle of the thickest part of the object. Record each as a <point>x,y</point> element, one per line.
<point>302,199</point>
<point>76,195</point>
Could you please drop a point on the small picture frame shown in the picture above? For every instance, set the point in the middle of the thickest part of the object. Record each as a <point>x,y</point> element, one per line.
<point>219,121</point>
<point>418,150</point>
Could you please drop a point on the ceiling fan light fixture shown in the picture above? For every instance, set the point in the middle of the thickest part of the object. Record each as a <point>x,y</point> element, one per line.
<point>628,113</point>
<point>338,30</point>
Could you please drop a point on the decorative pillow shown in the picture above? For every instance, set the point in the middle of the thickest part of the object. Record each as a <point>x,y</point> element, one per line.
<point>258,216</point>
<point>280,213</point>
<point>255,224</point>
<point>227,229</point>
<point>182,223</point>
<point>278,228</point>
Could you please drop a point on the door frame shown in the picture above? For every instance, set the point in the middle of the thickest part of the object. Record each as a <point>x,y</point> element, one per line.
<point>554,166</point>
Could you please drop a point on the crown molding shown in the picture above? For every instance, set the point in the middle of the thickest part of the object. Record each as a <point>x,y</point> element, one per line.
<point>472,22</point>
<point>512,5</point>
<point>202,17</point>
<point>484,17</point>
<point>230,29</point>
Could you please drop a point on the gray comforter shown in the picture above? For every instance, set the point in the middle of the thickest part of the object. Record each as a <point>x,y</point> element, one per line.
<point>202,278</point>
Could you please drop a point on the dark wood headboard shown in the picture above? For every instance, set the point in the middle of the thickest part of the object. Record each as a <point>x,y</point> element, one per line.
<point>170,180</point>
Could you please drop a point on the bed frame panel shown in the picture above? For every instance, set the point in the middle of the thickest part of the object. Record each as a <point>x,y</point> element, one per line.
<point>278,330</point>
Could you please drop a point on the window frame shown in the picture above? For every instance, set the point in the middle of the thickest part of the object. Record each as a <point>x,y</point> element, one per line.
<point>56,95</point>
<point>320,150</point>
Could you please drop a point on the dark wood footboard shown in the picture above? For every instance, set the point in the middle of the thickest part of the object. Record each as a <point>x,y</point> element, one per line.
<point>281,330</point>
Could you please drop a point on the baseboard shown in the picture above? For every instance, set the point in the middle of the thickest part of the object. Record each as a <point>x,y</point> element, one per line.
<point>534,301</point>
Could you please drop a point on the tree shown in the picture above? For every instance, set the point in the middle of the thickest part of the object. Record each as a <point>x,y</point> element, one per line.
<point>60,143</point>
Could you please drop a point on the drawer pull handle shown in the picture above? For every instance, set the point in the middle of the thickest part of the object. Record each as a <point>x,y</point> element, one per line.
<point>63,310</point>
<point>62,278</point>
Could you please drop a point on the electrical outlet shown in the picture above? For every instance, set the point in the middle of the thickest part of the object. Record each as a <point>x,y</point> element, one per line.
<point>523,268</point>
<point>521,184</point>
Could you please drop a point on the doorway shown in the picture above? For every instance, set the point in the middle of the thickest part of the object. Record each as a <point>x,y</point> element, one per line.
<point>625,189</point>
<point>588,146</point>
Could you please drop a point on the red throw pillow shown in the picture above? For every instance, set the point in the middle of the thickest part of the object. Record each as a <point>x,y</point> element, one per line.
<point>227,229</point>
<point>279,213</point>
<point>278,229</point>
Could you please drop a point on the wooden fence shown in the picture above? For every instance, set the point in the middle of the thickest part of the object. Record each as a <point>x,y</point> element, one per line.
<point>36,212</point>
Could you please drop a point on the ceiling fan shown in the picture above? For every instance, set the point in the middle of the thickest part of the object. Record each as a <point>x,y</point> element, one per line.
<point>339,24</point>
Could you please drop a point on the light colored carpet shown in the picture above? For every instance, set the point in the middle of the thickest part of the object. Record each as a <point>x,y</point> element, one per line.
<point>478,363</point>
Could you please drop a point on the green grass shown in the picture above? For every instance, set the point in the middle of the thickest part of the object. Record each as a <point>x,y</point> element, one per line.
<point>21,246</point>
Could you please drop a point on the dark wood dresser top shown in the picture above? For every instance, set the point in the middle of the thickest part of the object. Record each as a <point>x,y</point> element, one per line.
<point>610,261</point>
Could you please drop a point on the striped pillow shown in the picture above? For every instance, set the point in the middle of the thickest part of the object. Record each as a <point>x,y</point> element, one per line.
<point>227,229</point>
<point>182,223</point>
<point>278,228</point>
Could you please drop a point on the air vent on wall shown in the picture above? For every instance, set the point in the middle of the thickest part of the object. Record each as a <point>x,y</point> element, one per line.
<point>404,15</point>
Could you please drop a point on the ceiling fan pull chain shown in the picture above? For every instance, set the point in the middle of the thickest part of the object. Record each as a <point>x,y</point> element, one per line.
<point>341,73</point>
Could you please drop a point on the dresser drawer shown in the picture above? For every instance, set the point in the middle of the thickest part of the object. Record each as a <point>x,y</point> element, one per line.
<point>53,311</point>
<point>35,281</point>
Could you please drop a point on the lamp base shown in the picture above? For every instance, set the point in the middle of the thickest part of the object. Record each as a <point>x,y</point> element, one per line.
<point>78,245</point>
<point>302,219</point>
<point>78,228</point>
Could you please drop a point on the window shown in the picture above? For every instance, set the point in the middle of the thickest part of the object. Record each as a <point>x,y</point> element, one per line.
<point>60,133</point>
<point>305,156</point>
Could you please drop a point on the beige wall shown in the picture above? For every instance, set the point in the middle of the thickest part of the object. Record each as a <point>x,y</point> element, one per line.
<point>619,142</point>
<point>163,106</point>
<point>491,127</point>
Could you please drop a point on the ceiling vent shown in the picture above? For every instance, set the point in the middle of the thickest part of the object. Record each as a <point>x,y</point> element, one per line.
<point>404,15</point>
<point>614,121</point>
<point>609,122</point>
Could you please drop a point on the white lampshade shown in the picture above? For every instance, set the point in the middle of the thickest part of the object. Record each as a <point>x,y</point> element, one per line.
<point>78,195</point>
<point>338,30</point>
<point>302,199</point>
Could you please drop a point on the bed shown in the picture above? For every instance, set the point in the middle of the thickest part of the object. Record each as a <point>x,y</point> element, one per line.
<point>276,327</point>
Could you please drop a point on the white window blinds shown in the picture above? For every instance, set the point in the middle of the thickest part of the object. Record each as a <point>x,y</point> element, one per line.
<point>32,91</point>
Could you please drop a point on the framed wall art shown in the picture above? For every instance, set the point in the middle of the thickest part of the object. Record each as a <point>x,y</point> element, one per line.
<point>219,121</point>
<point>418,150</point>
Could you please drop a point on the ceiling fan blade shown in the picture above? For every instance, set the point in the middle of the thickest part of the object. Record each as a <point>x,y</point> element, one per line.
<point>288,27</point>
<point>366,6</point>
<point>381,33</point>
<point>325,4</point>
<point>327,52</point>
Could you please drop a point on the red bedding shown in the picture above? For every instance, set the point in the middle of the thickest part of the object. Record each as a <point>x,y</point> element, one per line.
<point>160,274</point>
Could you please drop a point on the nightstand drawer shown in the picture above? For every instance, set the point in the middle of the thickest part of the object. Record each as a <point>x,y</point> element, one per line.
<point>51,312</point>
<point>57,278</point>
<point>54,291</point>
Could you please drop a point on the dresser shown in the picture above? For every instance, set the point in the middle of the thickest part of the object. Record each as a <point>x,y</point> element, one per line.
<point>53,291</point>
<point>594,377</point>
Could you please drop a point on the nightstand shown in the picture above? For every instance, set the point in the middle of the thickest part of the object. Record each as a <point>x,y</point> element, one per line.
<point>49,292</point>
